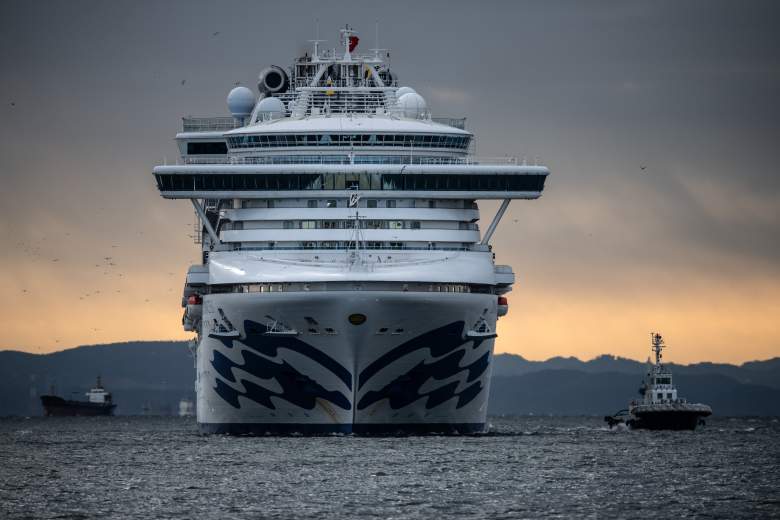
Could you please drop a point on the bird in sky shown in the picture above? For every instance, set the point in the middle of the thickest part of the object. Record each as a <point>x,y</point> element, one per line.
<point>215,33</point>
<point>643,168</point>
<point>183,81</point>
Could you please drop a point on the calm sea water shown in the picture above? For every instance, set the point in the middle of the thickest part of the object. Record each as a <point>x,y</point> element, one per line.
<point>528,467</point>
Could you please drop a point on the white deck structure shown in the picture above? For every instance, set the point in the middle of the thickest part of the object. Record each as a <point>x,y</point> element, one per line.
<point>345,285</point>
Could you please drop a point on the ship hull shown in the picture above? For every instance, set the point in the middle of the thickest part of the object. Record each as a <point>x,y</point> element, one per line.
<point>667,420</point>
<point>410,368</point>
<point>54,406</point>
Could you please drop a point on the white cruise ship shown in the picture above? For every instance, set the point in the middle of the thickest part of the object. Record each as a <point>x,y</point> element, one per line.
<point>345,285</point>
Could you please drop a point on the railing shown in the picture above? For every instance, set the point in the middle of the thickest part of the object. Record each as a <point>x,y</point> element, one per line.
<point>351,246</point>
<point>360,160</point>
<point>324,101</point>
<point>208,124</point>
<point>455,122</point>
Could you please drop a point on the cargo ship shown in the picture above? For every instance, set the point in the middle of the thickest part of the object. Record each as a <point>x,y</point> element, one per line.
<point>98,403</point>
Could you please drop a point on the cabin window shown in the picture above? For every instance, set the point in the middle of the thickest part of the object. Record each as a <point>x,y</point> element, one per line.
<point>390,204</point>
<point>339,181</point>
<point>668,396</point>
<point>371,203</point>
<point>419,141</point>
<point>660,396</point>
<point>311,203</point>
<point>217,148</point>
<point>331,204</point>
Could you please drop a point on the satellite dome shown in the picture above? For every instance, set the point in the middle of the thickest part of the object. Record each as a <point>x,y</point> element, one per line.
<point>412,105</point>
<point>270,108</point>
<point>241,101</point>
<point>404,90</point>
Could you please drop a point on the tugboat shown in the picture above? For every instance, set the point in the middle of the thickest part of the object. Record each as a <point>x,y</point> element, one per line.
<point>98,403</point>
<point>660,408</point>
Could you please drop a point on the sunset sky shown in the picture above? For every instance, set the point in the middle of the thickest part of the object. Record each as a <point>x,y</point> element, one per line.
<point>92,94</point>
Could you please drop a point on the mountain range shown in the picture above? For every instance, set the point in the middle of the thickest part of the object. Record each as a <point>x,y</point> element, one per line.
<point>151,377</point>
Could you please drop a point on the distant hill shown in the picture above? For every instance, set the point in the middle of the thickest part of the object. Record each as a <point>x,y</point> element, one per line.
<point>575,392</point>
<point>764,373</point>
<point>151,377</point>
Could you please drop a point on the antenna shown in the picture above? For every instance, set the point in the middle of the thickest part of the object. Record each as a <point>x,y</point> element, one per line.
<point>658,345</point>
<point>316,41</point>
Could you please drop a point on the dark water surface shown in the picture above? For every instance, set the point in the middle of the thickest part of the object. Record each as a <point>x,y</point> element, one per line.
<point>529,467</point>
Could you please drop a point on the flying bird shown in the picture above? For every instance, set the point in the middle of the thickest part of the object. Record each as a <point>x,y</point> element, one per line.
<point>216,33</point>
<point>183,81</point>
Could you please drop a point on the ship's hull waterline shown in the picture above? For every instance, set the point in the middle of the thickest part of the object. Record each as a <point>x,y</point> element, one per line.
<point>54,406</point>
<point>672,420</point>
<point>306,362</point>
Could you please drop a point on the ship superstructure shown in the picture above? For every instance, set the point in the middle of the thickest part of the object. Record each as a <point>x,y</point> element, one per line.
<point>344,283</point>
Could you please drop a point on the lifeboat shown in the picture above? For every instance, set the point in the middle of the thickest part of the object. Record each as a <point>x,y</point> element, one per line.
<point>503,305</point>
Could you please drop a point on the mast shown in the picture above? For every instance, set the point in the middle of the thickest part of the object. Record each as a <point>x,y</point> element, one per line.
<point>658,346</point>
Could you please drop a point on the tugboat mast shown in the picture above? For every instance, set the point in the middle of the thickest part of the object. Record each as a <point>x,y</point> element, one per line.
<point>658,345</point>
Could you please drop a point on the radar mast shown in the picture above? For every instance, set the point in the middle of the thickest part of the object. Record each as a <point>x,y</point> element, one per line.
<point>658,346</point>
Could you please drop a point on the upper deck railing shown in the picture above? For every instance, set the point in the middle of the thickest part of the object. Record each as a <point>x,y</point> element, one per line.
<point>455,122</point>
<point>363,104</point>
<point>345,159</point>
<point>208,124</point>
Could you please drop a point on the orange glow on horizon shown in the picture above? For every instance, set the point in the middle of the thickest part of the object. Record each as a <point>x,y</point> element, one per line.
<point>702,322</point>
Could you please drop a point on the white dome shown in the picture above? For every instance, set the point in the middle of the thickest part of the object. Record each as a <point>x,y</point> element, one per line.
<point>404,90</point>
<point>270,108</point>
<point>412,105</point>
<point>241,101</point>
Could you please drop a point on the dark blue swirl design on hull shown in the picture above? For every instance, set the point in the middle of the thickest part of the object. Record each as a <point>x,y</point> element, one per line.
<point>297,388</point>
<point>269,345</point>
<point>405,389</point>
